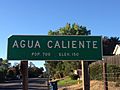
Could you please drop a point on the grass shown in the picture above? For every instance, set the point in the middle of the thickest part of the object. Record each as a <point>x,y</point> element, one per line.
<point>67,82</point>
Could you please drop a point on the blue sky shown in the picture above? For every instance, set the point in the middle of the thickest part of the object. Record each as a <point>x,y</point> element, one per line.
<point>37,17</point>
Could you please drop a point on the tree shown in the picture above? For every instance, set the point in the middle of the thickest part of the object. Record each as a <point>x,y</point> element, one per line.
<point>11,73</point>
<point>63,68</point>
<point>75,29</point>
<point>17,68</point>
<point>14,72</point>
<point>34,71</point>
<point>3,69</point>
<point>109,45</point>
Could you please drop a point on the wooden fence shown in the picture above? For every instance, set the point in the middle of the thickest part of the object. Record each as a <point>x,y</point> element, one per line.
<point>110,60</point>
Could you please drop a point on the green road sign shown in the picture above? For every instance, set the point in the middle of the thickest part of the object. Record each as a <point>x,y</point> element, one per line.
<point>32,47</point>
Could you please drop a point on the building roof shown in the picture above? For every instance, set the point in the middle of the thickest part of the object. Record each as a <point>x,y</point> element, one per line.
<point>117,48</point>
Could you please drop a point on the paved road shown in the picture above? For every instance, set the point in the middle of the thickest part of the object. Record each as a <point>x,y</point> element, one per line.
<point>34,84</point>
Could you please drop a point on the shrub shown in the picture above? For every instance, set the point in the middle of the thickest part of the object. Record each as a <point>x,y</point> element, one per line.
<point>2,76</point>
<point>95,72</point>
<point>113,72</point>
<point>58,75</point>
<point>74,76</point>
<point>11,74</point>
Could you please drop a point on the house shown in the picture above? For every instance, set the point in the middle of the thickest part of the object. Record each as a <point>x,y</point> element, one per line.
<point>117,50</point>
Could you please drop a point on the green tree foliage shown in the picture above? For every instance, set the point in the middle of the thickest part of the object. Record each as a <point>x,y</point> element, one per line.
<point>17,69</point>
<point>58,69</point>
<point>34,71</point>
<point>73,29</point>
<point>3,69</point>
<point>65,67</point>
<point>11,74</point>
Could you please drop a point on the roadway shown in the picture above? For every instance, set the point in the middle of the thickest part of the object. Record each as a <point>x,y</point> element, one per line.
<point>34,84</point>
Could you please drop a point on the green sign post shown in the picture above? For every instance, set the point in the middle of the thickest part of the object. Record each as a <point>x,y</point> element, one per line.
<point>33,47</point>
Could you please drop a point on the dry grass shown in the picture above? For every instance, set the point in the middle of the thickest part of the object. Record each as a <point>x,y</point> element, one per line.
<point>99,85</point>
<point>94,85</point>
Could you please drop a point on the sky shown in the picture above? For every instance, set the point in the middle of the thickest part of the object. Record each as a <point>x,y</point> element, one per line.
<point>37,17</point>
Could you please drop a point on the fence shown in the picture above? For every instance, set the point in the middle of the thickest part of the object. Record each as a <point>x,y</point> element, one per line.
<point>112,74</point>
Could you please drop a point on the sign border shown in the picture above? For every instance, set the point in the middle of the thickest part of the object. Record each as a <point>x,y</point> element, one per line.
<point>59,36</point>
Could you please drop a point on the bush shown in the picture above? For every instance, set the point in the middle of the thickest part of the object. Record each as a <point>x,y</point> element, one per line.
<point>67,82</point>
<point>58,75</point>
<point>11,75</point>
<point>74,76</point>
<point>113,72</point>
<point>96,72</point>
<point>2,76</point>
